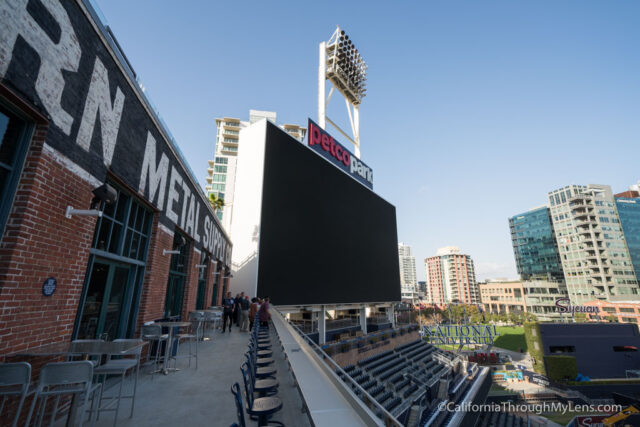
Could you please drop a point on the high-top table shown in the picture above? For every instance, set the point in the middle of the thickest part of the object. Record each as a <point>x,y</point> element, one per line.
<point>171,325</point>
<point>94,348</point>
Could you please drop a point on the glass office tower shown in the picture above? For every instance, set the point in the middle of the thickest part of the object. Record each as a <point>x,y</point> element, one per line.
<point>629,213</point>
<point>534,245</point>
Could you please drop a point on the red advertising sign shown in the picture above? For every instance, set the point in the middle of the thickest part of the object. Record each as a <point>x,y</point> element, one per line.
<point>336,153</point>
<point>589,420</point>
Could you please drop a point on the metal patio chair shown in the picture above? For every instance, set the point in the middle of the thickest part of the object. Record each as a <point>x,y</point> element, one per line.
<point>120,367</point>
<point>58,379</point>
<point>15,380</point>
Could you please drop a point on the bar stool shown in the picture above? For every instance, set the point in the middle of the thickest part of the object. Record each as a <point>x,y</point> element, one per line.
<point>264,408</point>
<point>192,336</point>
<point>212,320</point>
<point>261,408</point>
<point>260,372</point>
<point>153,334</point>
<point>120,367</point>
<point>15,379</point>
<point>261,360</point>
<point>64,378</point>
<point>264,387</point>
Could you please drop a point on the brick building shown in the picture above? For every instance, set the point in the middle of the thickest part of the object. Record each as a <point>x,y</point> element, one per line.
<point>73,118</point>
<point>624,312</point>
<point>451,277</point>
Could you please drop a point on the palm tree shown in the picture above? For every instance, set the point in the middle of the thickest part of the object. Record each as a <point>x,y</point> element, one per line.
<point>217,203</point>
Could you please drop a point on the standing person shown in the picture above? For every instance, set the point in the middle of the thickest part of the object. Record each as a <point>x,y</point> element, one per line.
<point>253,310</point>
<point>227,303</point>
<point>263,313</point>
<point>236,309</point>
<point>244,314</point>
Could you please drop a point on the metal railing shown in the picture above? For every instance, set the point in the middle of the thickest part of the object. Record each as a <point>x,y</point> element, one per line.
<point>366,398</point>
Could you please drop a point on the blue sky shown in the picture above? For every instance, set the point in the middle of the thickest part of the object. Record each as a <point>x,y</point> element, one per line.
<point>474,109</point>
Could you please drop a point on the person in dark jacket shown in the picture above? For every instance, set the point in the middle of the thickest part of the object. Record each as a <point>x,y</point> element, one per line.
<point>236,310</point>
<point>227,304</point>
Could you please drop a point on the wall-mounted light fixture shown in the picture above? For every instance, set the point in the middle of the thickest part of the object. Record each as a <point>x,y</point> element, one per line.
<point>201,265</point>
<point>83,212</point>
<point>166,252</point>
<point>105,193</point>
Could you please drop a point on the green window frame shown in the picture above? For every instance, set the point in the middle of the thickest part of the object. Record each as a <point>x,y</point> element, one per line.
<point>15,135</point>
<point>121,235</point>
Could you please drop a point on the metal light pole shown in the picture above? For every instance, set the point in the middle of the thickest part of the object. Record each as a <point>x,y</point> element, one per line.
<point>342,65</point>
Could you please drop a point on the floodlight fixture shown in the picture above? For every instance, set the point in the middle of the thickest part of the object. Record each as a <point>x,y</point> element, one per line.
<point>342,65</point>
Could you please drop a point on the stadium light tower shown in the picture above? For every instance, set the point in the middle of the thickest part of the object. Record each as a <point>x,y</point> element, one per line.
<point>342,65</point>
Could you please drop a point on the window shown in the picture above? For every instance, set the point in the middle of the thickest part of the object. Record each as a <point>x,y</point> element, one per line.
<point>177,275</point>
<point>220,177</point>
<point>222,160</point>
<point>203,273</point>
<point>112,289</point>
<point>624,348</point>
<point>123,228</point>
<point>220,168</point>
<point>14,140</point>
<point>217,187</point>
<point>562,349</point>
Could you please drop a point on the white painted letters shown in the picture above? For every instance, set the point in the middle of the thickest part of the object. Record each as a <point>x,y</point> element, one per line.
<point>65,55</point>
<point>157,176</point>
<point>99,100</point>
<point>173,194</point>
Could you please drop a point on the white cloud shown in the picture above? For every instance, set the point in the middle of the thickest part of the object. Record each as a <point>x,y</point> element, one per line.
<point>494,270</point>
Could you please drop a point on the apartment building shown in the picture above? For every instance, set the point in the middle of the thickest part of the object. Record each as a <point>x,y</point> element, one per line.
<point>221,171</point>
<point>451,277</point>
<point>407,264</point>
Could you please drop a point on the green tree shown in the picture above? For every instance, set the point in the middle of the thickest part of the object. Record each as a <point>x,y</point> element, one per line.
<point>611,318</point>
<point>580,317</point>
<point>217,203</point>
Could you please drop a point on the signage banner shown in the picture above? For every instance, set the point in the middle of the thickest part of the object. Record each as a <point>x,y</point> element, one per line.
<point>541,380</point>
<point>336,153</point>
<point>459,334</point>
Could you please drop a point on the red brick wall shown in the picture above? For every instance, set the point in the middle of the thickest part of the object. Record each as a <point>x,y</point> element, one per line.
<point>208,293</point>
<point>154,288</point>
<point>191,284</point>
<point>39,242</point>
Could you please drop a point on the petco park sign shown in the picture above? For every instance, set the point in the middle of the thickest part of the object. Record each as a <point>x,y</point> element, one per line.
<point>335,152</point>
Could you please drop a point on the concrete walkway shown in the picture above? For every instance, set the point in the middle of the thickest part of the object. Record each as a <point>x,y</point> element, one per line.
<point>202,396</point>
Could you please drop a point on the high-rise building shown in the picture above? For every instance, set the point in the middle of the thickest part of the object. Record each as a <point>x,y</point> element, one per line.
<point>591,244</point>
<point>629,213</point>
<point>221,173</point>
<point>408,279</point>
<point>451,277</point>
<point>534,245</point>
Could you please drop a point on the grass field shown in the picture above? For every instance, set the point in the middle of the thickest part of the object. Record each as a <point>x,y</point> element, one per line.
<point>511,338</point>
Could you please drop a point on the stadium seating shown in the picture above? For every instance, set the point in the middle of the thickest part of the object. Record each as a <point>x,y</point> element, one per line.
<point>407,375</point>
